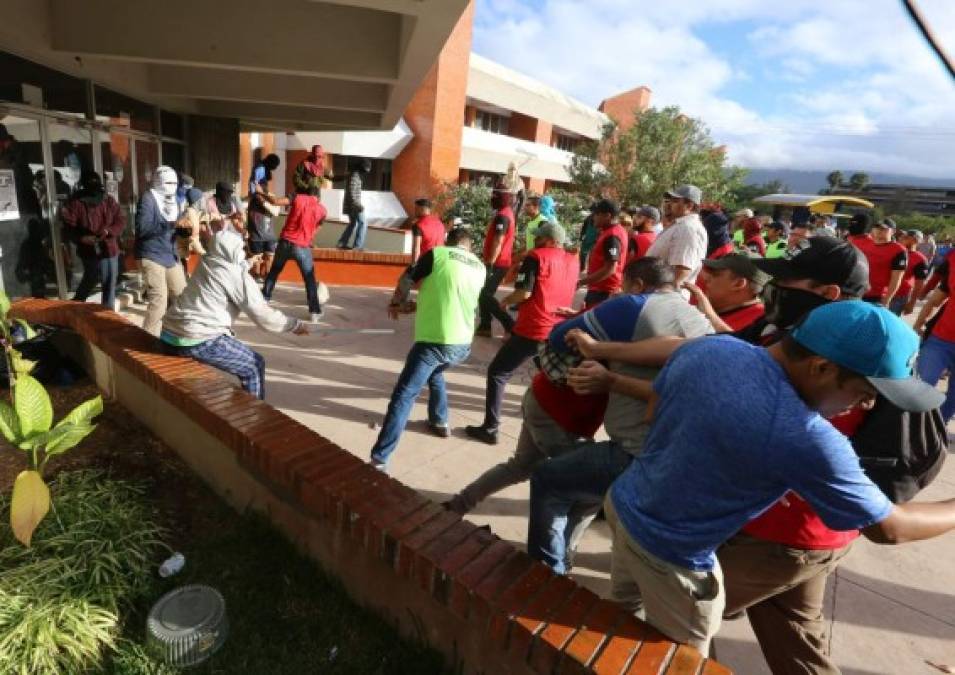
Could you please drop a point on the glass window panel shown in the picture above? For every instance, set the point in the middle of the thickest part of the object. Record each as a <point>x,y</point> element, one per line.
<point>172,124</point>
<point>26,250</point>
<point>71,150</point>
<point>174,155</point>
<point>23,81</point>
<point>123,111</point>
<point>116,149</point>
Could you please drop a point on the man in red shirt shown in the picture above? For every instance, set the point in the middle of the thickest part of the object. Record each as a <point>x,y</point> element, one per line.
<point>546,282</point>
<point>938,349</point>
<point>427,232</point>
<point>295,243</point>
<point>498,254</point>
<point>731,300</point>
<point>916,272</point>
<point>887,259</point>
<point>644,232</point>
<point>609,255</point>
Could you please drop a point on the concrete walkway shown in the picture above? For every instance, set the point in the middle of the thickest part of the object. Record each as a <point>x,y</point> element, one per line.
<point>892,608</point>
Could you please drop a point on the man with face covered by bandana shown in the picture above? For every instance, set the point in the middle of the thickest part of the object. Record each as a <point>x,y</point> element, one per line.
<point>776,568</point>
<point>94,221</point>
<point>155,247</point>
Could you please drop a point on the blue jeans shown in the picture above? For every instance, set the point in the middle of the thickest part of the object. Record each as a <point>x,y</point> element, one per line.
<point>566,493</point>
<point>302,256</point>
<point>356,225</point>
<point>426,363</point>
<point>935,357</point>
<point>105,271</point>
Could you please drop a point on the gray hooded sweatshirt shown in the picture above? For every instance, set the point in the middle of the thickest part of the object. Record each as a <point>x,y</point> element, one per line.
<point>217,292</point>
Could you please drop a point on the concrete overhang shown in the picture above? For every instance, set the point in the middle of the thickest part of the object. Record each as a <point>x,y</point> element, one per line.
<point>490,152</point>
<point>329,64</point>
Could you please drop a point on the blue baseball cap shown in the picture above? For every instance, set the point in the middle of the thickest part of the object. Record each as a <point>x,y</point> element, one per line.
<point>873,342</point>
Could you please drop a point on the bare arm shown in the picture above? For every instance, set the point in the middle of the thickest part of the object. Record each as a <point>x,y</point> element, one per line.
<point>706,307</point>
<point>599,275</point>
<point>894,282</point>
<point>592,378</point>
<point>913,521</point>
<point>916,293</point>
<point>928,309</point>
<point>415,248</point>
<point>516,297</point>
<point>650,352</point>
<point>680,274</point>
<point>496,248</point>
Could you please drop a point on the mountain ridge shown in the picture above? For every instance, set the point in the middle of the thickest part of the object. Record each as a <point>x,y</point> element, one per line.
<point>811,182</point>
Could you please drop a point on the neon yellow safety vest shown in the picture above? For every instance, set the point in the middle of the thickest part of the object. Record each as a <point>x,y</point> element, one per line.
<point>531,229</point>
<point>448,297</point>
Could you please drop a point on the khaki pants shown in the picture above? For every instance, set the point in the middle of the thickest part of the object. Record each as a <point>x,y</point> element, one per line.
<point>162,285</point>
<point>683,604</point>
<point>783,591</point>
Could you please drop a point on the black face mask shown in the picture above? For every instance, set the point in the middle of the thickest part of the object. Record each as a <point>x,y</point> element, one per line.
<point>786,306</point>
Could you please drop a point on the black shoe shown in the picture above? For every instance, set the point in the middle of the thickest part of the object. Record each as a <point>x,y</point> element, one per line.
<point>479,433</point>
<point>439,430</point>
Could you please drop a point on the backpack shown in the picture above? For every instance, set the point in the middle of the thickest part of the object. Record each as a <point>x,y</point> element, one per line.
<point>901,452</point>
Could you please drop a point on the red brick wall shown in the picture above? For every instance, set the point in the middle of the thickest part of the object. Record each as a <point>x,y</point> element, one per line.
<point>622,107</point>
<point>487,606</point>
<point>436,116</point>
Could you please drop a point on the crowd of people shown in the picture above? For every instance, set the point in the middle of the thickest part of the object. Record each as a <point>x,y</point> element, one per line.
<point>754,379</point>
<point>763,402</point>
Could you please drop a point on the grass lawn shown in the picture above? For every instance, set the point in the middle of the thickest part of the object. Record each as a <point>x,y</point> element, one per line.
<point>285,614</point>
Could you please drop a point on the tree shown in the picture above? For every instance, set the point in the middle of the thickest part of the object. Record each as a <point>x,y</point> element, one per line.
<point>834,179</point>
<point>744,195</point>
<point>662,149</point>
<point>858,181</point>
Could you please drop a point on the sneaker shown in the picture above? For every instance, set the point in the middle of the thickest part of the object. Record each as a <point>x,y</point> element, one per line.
<point>479,433</point>
<point>381,466</point>
<point>439,430</point>
<point>483,332</point>
<point>316,316</point>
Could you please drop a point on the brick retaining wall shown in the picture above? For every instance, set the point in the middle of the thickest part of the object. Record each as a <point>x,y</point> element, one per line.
<point>486,605</point>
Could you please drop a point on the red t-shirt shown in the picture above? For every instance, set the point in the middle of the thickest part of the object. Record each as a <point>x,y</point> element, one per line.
<point>741,317</point>
<point>304,217</point>
<point>502,224</point>
<point>797,525</point>
<point>639,243</point>
<point>945,326</point>
<point>756,244</point>
<point>606,249</point>
<point>917,269</point>
<point>573,412</point>
<point>883,260</point>
<point>432,232</point>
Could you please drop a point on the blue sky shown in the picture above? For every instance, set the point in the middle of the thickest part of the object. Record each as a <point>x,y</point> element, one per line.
<point>801,84</point>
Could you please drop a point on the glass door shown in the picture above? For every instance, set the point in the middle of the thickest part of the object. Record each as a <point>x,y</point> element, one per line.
<point>26,238</point>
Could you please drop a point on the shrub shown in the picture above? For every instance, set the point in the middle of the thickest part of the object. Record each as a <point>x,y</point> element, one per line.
<point>60,600</point>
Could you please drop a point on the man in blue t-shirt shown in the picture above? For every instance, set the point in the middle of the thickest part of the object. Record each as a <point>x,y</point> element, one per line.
<point>712,462</point>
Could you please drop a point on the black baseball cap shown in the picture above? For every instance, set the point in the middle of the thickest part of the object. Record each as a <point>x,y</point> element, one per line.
<point>824,259</point>
<point>741,265</point>
<point>607,206</point>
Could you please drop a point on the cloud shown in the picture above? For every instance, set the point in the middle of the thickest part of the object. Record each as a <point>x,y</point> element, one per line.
<point>801,84</point>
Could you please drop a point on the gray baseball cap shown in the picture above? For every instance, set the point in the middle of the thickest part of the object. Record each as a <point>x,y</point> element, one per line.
<point>551,231</point>
<point>741,265</point>
<point>688,192</point>
<point>651,212</point>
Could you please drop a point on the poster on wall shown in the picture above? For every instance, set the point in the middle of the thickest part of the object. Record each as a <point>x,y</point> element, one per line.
<point>9,209</point>
<point>112,188</point>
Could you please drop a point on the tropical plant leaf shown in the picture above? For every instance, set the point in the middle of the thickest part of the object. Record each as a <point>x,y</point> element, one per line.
<point>28,330</point>
<point>4,304</point>
<point>62,438</point>
<point>83,413</point>
<point>33,406</point>
<point>30,504</point>
<point>9,425</point>
<point>21,366</point>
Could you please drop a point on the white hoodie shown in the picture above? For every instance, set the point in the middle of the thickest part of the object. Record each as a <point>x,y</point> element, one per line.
<point>218,291</point>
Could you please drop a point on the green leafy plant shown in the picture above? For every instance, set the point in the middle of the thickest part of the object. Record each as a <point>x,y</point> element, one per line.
<point>61,600</point>
<point>27,424</point>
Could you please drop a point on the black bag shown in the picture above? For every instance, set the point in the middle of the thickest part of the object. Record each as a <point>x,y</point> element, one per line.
<point>901,452</point>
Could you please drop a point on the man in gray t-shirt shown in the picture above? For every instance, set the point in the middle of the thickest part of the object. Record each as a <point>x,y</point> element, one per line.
<point>567,491</point>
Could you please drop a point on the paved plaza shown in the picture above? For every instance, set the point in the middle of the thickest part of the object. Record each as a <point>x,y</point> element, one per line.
<point>892,608</point>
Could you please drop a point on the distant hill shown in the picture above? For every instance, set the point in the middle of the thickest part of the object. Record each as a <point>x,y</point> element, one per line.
<point>811,182</point>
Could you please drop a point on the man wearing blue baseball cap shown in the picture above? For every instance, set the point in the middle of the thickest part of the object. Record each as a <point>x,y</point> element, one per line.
<point>705,471</point>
